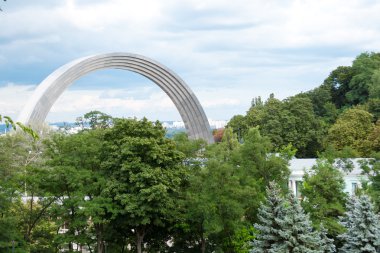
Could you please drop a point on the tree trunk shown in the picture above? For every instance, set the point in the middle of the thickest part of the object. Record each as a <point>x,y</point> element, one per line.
<point>140,233</point>
<point>203,245</point>
<point>99,237</point>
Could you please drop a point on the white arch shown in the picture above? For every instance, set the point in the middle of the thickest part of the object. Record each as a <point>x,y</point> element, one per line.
<point>49,90</point>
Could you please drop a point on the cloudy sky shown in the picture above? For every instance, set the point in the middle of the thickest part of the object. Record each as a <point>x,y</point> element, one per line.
<point>228,52</point>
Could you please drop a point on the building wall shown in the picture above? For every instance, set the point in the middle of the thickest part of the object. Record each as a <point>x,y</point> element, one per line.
<point>353,179</point>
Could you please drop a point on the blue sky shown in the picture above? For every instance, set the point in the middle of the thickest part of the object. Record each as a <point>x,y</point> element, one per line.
<point>228,52</point>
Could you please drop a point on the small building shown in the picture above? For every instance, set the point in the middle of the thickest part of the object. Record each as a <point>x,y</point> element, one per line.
<point>353,176</point>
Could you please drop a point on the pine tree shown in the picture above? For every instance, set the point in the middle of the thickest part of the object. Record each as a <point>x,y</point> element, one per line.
<point>297,232</point>
<point>284,227</point>
<point>270,216</point>
<point>363,227</point>
<point>326,244</point>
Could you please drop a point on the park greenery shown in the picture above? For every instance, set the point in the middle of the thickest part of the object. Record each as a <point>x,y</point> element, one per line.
<point>120,185</point>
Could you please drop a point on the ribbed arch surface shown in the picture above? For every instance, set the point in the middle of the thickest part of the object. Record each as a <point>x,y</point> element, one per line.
<point>36,109</point>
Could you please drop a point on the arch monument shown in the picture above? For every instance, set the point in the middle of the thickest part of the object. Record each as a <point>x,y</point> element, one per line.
<point>49,90</point>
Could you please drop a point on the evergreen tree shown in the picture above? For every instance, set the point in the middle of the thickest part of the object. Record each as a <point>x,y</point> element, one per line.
<point>326,244</point>
<point>284,227</point>
<point>363,227</point>
<point>270,216</point>
<point>297,233</point>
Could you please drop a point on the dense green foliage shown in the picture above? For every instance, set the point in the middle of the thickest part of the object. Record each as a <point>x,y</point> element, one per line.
<point>340,112</point>
<point>324,198</point>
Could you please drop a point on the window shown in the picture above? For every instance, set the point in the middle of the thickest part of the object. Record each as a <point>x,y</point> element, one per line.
<point>354,188</point>
<point>298,189</point>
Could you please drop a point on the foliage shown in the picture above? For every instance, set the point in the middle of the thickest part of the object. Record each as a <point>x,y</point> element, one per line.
<point>284,227</point>
<point>9,122</point>
<point>270,215</point>
<point>363,227</point>
<point>352,129</point>
<point>324,197</point>
<point>291,121</point>
<point>95,119</point>
<point>371,168</point>
<point>145,173</point>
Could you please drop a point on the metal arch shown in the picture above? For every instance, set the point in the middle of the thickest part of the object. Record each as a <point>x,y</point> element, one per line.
<point>49,90</point>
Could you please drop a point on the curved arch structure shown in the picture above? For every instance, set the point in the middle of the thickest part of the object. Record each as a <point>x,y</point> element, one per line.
<point>39,105</point>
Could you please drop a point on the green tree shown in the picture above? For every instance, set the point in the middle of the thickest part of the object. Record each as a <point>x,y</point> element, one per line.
<point>15,125</point>
<point>352,129</point>
<point>291,121</point>
<point>76,179</point>
<point>239,126</point>
<point>371,168</point>
<point>339,84</point>
<point>95,119</point>
<point>324,197</point>
<point>145,173</point>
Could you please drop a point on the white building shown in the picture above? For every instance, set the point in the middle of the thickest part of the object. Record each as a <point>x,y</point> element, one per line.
<point>353,179</point>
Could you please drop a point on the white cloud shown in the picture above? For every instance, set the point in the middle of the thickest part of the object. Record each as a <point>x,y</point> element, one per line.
<point>236,49</point>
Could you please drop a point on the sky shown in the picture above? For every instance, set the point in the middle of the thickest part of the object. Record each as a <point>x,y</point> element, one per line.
<point>227,52</point>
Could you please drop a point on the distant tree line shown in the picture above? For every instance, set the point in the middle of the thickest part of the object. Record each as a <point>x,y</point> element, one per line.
<point>342,114</point>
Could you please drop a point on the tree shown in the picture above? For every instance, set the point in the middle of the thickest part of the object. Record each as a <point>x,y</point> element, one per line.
<point>9,122</point>
<point>76,179</point>
<point>19,153</point>
<point>326,244</point>
<point>324,197</point>
<point>95,119</point>
<point>259,163</point>
<point>145,173</point>
<point>339,84</point>
<point>298,234</point>
<point>285,227</point>
<point>239,126</point>
<point>213,203</point>
<point>352,129</point>
<point>363,227</point>
<point>291,121</point>
<point>364,68</point>
<point>371,168</point>
<point>270,216</point>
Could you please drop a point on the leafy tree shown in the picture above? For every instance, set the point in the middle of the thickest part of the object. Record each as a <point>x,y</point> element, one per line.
<point>213,203</point>
<point>374,138</point>
<point>363,227</point>
<point>324,197</point>
<point>365,68</point>
<point>239,126</point>
<point>9,122</point>
<point>18,153</point>
<point>260,164</point>
<point>95,119</point>
<point>371,168</point>
<point>339,83</point>
<point>145,174</point>
<point>76,178</point>
<point>190,148</point>
<point>352,129</point>
<point>291,121</point>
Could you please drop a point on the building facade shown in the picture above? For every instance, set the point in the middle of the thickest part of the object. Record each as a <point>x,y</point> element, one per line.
<point>353,177</point>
